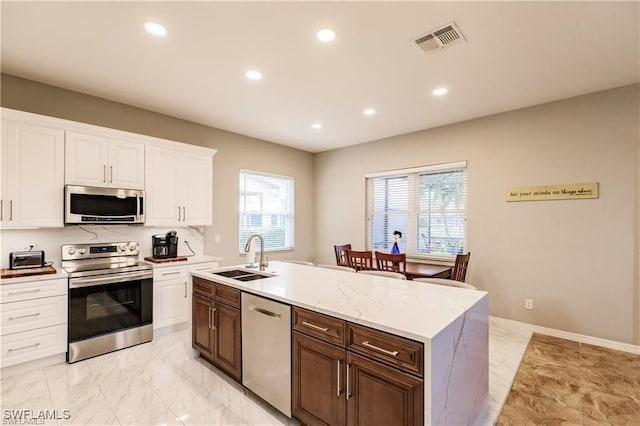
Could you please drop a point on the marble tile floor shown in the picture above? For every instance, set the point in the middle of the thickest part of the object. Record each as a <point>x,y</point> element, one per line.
<point>565,382</point>
<point>158,383</point>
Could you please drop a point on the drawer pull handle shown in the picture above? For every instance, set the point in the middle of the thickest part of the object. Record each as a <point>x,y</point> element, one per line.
<point>185,290</point>
<point>24,316</point>
<point>384,351</point>
<point>213,319</point>
<point>170,273</point>
<point>35,345</point>
<point>348,393</point>
<point>315,327</point>
<point>23,292</point>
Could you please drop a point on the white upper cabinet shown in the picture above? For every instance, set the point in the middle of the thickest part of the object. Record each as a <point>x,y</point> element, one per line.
<point>32,176</point>
<point>95,160</point>
<point>179,186</point>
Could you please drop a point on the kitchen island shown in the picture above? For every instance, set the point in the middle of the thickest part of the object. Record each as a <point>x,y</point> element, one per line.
<point>450,324</point>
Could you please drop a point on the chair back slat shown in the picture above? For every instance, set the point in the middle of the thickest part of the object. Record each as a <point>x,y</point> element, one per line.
<point>459,271</point>
<point>391,262</point>
<point>360,260</point>
<point>341,254</point>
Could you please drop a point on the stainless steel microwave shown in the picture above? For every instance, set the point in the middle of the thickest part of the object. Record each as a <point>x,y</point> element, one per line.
<point>92,205</point>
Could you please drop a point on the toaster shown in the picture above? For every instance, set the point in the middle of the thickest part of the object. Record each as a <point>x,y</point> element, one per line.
<point>26,259</point>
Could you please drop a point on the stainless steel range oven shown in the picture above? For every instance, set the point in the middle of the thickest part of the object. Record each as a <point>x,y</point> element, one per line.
<point>110,298</point>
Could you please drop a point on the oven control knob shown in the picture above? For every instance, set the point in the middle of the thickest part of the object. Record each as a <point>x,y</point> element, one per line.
<point>132,247</point>
<point>82,251</point>
<point>72,250</point>
<point>123,247</point>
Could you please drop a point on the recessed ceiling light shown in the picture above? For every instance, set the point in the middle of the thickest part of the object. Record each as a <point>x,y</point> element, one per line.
<point>326,35</point>
<point>369,111</point>
<point>440,91</point>
<point>254,75</point>
<point>317,125</point>
<point>155,28</point>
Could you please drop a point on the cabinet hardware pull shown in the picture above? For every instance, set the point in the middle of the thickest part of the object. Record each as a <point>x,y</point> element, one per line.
<point>24,347</point>
<point>178,213</point>
<point>104,173</point>
<point>1,209</point>
<point>338,380</point>
<point>264,311</point>
<point>315,327</point>
<point>170,273</point>
<point>213,319</point>
<point>10,210</point>
<point>185,290</point>
<point>111,174</point>
<point>348,392</point>
<point>384,351</point>
<point>24,316</point>
<point>209,317</point>
<point>184,213</point>
<point>23,292</point>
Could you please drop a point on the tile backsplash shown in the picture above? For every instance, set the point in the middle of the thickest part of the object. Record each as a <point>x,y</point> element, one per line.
<point>50,239</point>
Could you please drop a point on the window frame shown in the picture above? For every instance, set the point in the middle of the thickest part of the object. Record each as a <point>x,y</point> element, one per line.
<point>290,216</point>
<point>410,236</point>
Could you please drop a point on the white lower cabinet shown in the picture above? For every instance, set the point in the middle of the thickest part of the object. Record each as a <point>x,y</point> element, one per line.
<point>170,300</point>
<point>172,293</point>
<point>33,320</point>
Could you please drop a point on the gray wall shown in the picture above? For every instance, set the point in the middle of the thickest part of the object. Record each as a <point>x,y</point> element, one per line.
<point>235,152</point>
<point>576,259</point>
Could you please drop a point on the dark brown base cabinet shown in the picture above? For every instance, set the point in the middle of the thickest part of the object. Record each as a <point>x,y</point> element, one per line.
<point>334,386</point>
<point>216,326</point>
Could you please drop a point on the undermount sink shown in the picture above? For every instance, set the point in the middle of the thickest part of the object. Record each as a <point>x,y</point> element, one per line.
<point>242,275</point>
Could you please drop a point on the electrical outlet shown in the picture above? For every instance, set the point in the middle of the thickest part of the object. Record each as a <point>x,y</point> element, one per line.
<point>216,238</point>
<point>528,303</point>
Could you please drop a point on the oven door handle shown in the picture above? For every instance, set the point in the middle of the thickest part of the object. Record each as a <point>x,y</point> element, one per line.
<point>111,279</point>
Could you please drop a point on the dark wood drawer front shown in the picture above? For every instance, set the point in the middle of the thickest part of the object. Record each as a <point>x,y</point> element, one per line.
<point>323,327</point>
<point>204,287</point>
<point>228,295</point>
<point>394,350</point>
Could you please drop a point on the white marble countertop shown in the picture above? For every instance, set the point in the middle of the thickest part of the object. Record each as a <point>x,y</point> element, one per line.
<point>193,260</point>
<point>411,309</point>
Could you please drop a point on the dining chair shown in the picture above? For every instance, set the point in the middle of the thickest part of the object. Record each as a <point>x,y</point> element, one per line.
<point>388,274</point>
<point>338,268</point>
<point>443,281</point>
<point>459,271</point>
<point>360,260</point>
<point>391,262</point>
<point>341,254</point>
<point>300,262</point>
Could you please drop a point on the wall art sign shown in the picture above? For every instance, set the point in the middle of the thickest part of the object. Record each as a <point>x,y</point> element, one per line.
<point>569,191</point>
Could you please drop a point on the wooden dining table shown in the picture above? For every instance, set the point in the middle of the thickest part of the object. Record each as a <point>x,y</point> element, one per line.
<point>427,270</point>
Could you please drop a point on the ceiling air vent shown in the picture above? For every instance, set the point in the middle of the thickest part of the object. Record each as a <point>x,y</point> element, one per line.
<point>446,36</point>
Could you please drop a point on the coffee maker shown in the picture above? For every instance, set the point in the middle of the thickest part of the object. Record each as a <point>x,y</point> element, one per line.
<point>165,246</point>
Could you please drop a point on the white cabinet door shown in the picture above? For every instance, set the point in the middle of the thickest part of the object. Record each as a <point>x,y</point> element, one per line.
<point>170,302</point>
<point>86,159</point>
<point>196,189</point>
<point>179,187</point>
<point>161,177</point>
<point>32,176</point>
<point>94,160</point>
<point>126,164</point>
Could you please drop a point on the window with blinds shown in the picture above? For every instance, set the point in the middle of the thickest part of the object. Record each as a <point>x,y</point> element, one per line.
<point>266,208</point>
<point>427,204</point>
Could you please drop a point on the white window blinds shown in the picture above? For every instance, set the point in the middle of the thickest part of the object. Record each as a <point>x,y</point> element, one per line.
<point>427,204</point>
<point>266,208</point>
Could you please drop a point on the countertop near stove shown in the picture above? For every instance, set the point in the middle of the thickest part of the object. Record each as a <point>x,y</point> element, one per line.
<point>60,273</point>
<point>194,260</point>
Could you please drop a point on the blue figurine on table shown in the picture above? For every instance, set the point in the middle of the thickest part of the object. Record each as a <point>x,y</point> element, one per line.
<point>397,236</point>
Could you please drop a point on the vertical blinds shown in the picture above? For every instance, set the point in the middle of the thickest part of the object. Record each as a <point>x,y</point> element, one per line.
<point>427,204</point>
<point>266,208</point>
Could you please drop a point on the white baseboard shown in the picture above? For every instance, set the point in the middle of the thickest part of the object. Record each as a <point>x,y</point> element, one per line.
<point>36,364</point>
<point>611,344</point>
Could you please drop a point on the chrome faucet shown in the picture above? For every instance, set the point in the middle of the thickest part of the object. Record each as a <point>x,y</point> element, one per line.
<point>263,263</point>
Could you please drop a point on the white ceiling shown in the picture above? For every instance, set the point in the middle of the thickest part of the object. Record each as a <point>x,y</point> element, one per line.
<point>517,54</point>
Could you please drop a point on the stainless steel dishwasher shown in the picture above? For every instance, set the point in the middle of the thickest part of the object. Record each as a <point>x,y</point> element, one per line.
<point>266,350</point>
